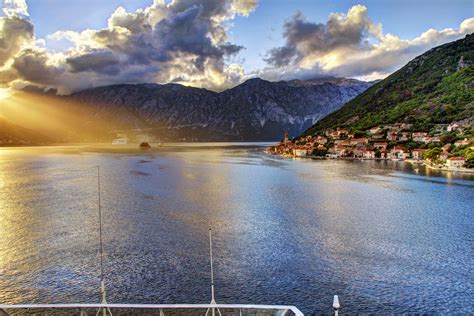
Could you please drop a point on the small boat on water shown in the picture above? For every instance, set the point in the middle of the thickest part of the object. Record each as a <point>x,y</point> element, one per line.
<point>120,141</point>
<point>145,145</point>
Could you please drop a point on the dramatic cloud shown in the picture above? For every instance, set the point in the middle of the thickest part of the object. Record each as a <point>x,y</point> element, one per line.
<point>33,66</point>
<point>103,62</point>
<point>186,41</point>
<point>182,41</point>
<point>349,45</point>
<point>15,34</point>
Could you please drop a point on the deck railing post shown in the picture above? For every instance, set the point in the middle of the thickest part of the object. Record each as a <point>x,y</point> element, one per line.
<point>336,305</point>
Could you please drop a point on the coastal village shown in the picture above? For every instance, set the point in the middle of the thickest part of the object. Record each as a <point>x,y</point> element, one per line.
<point>447,146</point>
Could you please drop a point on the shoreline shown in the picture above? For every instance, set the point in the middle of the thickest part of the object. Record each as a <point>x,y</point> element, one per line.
<point>414,162</point>
<point>446,169</point>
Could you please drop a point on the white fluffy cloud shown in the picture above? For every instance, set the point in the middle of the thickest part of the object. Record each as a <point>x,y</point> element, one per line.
<point>183,41</point>
<point>349,45</point>
<point>15,8</point>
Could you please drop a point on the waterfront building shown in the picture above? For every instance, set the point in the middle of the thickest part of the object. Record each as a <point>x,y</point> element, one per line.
<point>392,136</point>
<point>463,142</point>
<point>418,153</point>
<point>381,145</point>
<point>446,147</point>
<point>375,130</point>
<point>359,141</point>
<point>404,136</point>
<point>455,162</point>
<point>369,154</point>
<point>399,152</point>
<point>443,156</point>
<point>377,136</point>
<point>419,136</point>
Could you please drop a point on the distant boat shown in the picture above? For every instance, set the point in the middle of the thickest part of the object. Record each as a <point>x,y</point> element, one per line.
<point>145,145</point>
<point>120,141</point>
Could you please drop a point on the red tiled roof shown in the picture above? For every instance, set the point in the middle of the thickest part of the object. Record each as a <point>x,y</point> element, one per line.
<point>399,148</point>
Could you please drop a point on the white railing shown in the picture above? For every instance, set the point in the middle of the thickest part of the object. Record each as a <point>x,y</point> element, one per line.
<point>283,309</point>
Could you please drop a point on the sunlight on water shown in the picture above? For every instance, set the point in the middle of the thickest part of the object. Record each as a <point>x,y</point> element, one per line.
<point>286,231</point>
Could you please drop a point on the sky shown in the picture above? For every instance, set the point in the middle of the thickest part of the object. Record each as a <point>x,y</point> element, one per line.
<point>217,44</point>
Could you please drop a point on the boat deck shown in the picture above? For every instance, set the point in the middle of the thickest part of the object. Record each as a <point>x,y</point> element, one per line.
<point>149,309</point>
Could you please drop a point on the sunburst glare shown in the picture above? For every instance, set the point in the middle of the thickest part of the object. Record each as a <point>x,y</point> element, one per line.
<point>5,93</point>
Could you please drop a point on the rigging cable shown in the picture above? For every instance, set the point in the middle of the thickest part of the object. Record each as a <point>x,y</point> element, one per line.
<point>100,226</point>
<point>105,310</point>
<point>213,300</point>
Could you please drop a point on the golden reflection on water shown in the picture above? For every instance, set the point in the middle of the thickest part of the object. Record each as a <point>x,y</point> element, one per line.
<point>32,233</point>
<point>13,222</point>
<point>3,223</point>
<point>209,189</point>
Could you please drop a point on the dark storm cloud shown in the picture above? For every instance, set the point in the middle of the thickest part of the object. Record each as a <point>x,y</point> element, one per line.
<point>281,56</point>
<point>32,65</point>
<point>104,62</point>
<point>183,32</point>
<point>187,32</point>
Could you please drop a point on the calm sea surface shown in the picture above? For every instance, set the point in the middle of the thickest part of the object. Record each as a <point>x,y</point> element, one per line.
<point>379,235</point>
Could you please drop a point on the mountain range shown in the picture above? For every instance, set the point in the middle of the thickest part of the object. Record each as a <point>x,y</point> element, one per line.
<point>256,110</point>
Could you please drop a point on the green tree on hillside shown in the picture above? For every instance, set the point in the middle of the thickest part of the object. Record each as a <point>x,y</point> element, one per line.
<point>432,154</point>
<point>470,160</point>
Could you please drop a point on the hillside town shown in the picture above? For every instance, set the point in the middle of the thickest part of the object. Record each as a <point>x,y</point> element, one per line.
<point>446,146</point>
